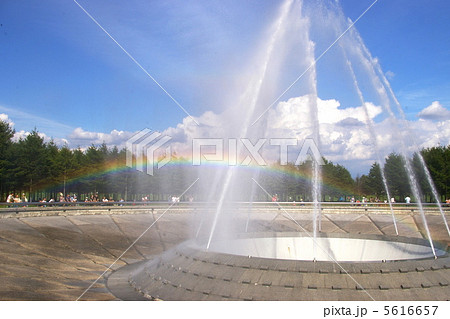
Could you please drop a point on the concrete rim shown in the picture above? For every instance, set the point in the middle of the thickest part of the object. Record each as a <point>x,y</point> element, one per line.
<point>150,279</point>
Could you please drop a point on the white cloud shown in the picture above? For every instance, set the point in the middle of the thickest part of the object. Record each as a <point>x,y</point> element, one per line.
<point>294,113</point>
<point>82,138</point>
<point>345,137</point>
<point>430,133</point>
<point>22,134</point>
<point>343,132</point>
<point>435,111</point>
<point>5,118</point>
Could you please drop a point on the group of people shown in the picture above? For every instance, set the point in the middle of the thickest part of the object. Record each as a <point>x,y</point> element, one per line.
<point>407,200</point>
<point>51,200</point>
<point>72,198</point>
<point>68,198</point>
<point>365,200</point>
<point>176,199</point>
<point>95,198</point>
<point>377,200</point>
<point>16,198</point>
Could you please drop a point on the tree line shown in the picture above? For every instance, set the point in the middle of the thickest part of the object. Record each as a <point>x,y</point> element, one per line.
<point>41,170</point>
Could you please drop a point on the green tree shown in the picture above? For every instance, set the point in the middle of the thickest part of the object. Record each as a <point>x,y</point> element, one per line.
<point>337,180</point>
<point>375,181</point>
<point>437,160</point>
<point>65,167</point>
<point>32,165</point>
<point>6,135</point>
<point>396,176</point>
<point>363,186</point>
<point>95,160</point>
<point>421,177</point>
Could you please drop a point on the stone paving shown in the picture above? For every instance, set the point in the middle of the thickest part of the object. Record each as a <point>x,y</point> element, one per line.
<point>57,257</point>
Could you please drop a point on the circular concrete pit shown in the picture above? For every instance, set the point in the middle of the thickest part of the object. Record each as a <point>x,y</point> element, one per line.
<point>56,254</point>
<point>325,248</point>
<point>263,267</point>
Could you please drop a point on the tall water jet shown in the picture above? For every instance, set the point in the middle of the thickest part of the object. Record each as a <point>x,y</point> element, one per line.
<point>433,190</point>
<point>371,64</point>
<point>422,161</point>
<point>370,126</point>
<point>368,120</point>
<point>314,120</point>
<point>249,102</point>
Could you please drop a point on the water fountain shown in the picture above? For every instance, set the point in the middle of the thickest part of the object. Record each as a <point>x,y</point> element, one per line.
<point>231,263</point>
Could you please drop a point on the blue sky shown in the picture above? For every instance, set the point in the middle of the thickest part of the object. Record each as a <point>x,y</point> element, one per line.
<point>60,71</point>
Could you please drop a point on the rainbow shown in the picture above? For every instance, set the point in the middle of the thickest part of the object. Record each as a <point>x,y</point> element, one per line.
<point>115,167</point>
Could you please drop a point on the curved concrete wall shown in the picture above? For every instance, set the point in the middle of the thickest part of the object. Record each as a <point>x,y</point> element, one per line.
<point>324,249</point>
